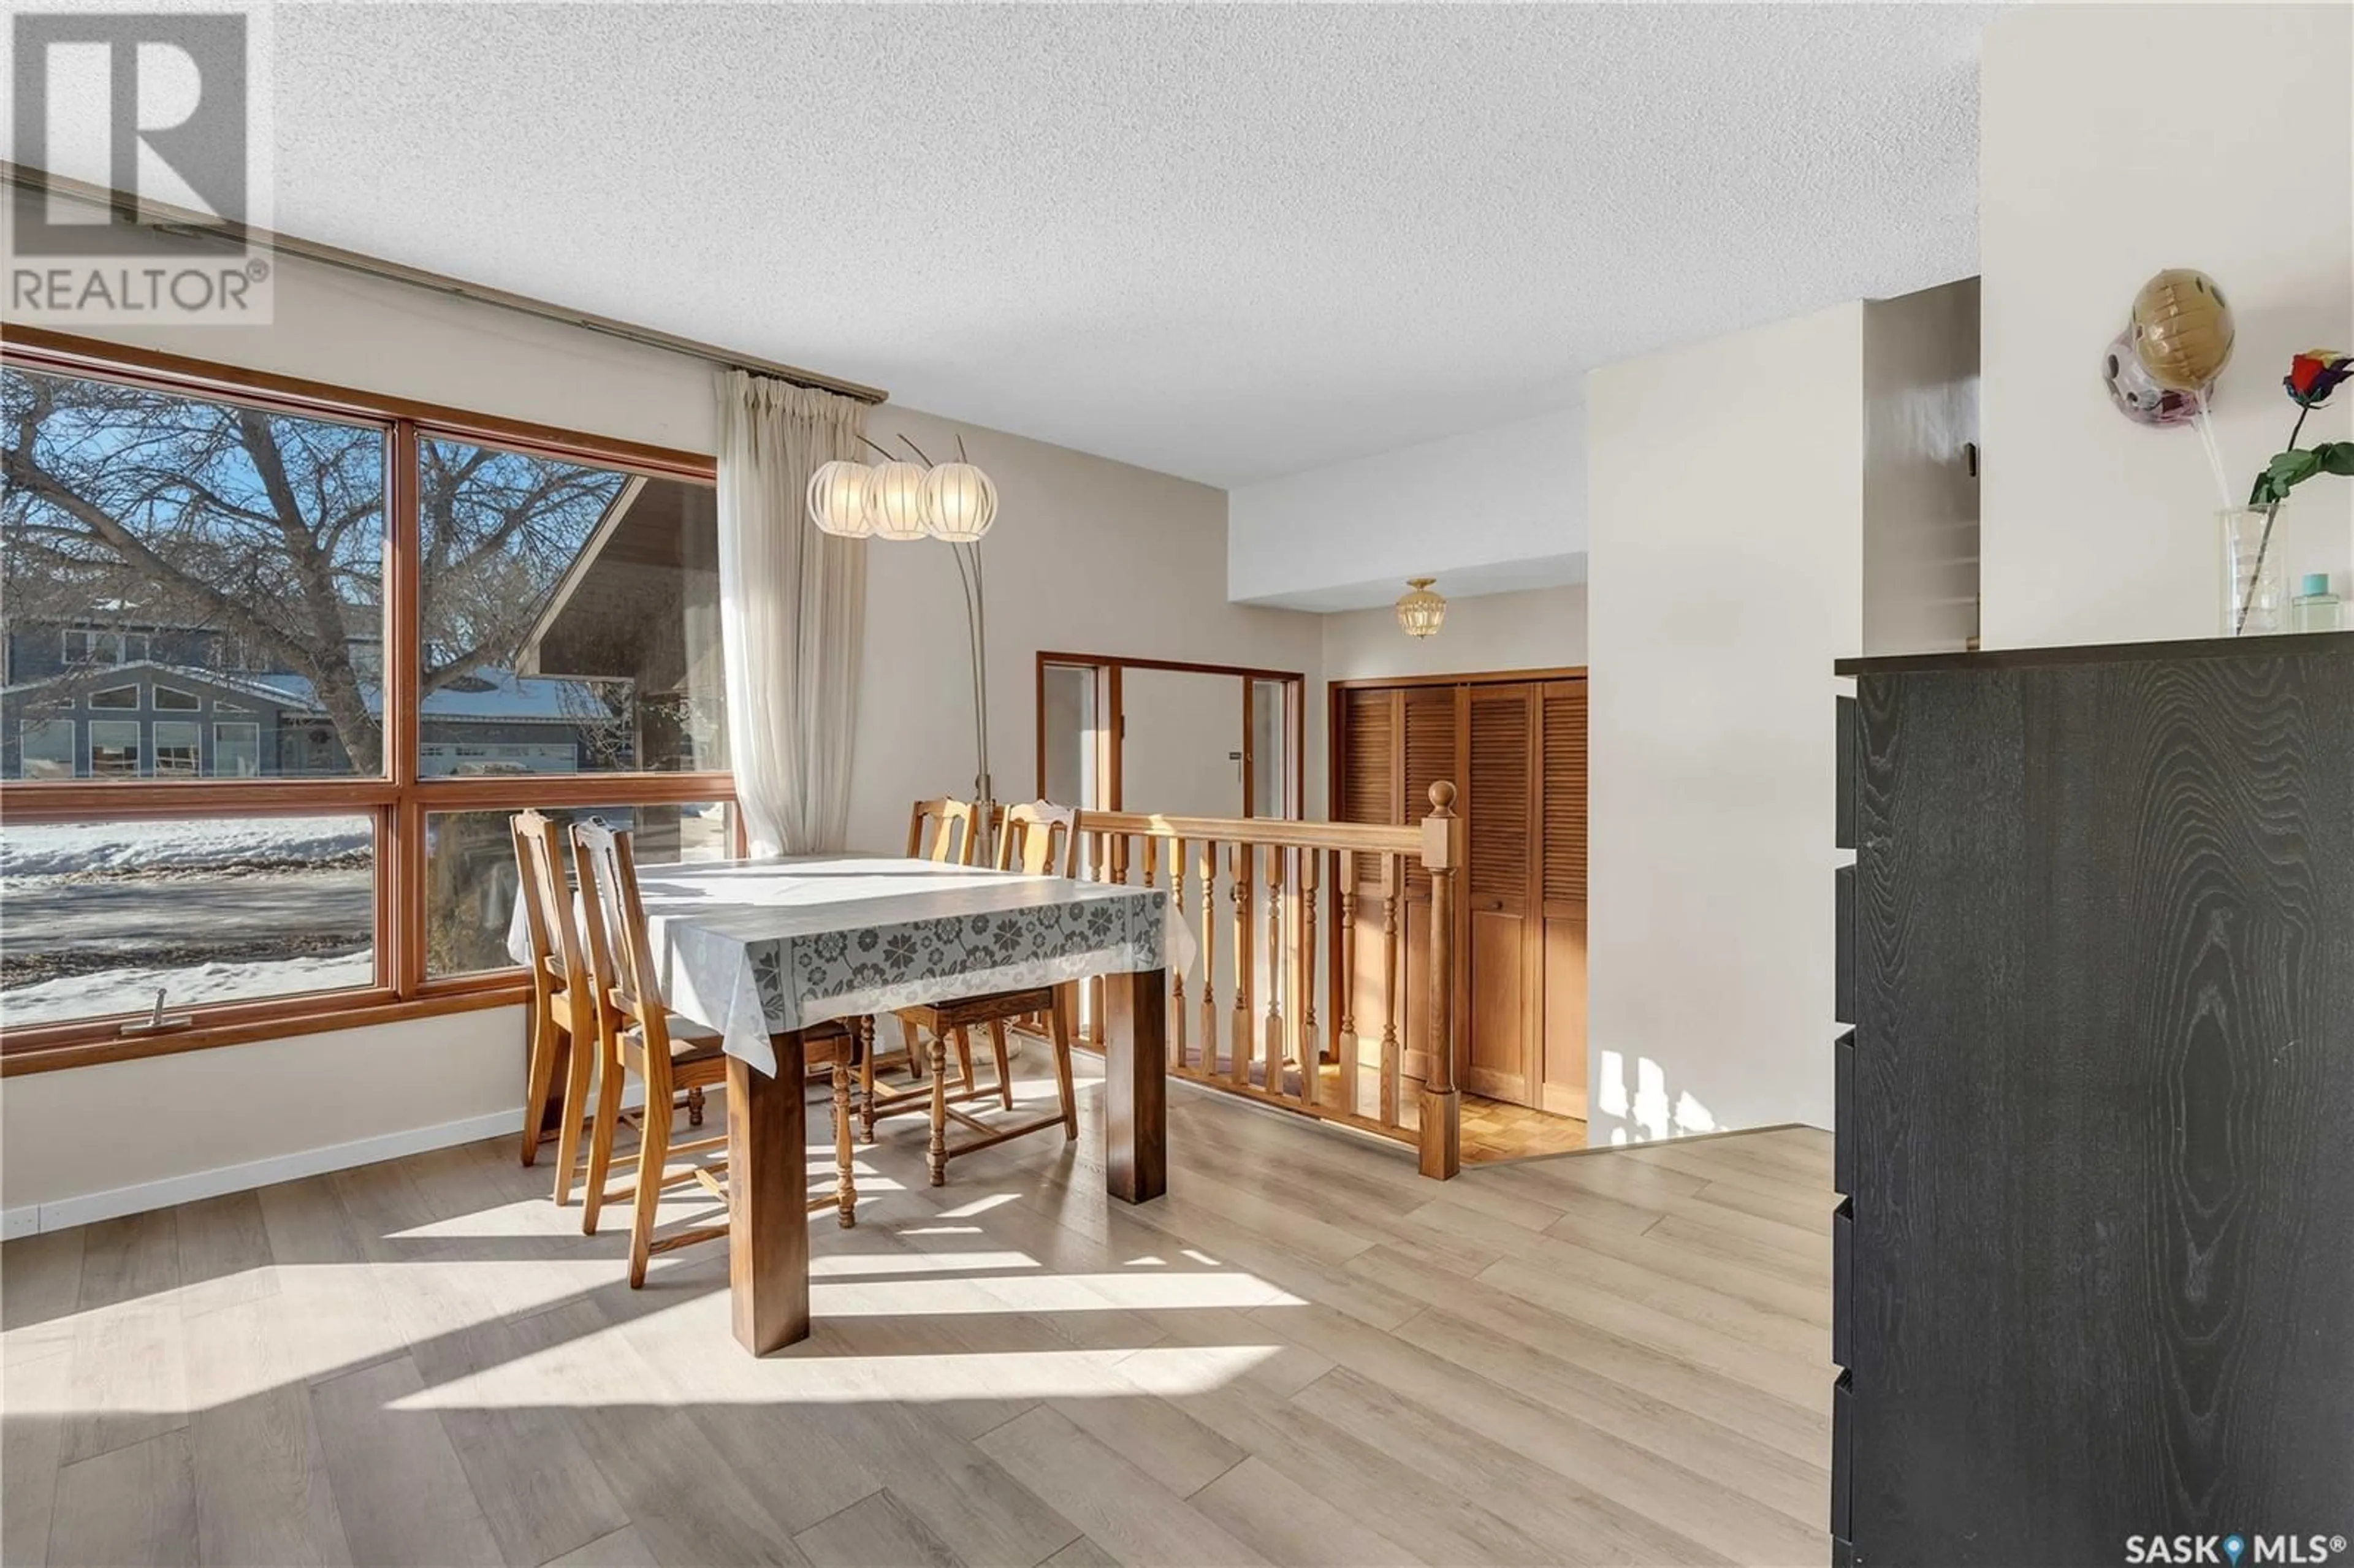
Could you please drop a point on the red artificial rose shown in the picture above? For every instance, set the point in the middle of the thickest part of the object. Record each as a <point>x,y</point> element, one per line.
<point>2314,374</point>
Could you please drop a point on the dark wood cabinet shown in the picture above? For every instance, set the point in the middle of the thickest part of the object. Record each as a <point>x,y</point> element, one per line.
<point>2094,1263</point>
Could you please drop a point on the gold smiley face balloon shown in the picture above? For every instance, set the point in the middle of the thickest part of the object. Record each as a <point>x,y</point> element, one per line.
<point>2183,329</point>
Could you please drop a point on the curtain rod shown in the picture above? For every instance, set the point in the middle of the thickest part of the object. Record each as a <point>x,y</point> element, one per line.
<point>182,221</point>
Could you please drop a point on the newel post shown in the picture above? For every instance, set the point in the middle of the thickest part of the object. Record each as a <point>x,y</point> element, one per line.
<point>1441,1128</point>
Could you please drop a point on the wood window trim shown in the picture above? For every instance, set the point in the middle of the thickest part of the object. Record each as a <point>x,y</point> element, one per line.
<point>320,1013</point>
<point>400,801</point>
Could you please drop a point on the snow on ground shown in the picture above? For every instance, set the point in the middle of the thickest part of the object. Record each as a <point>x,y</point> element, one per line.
<point>134,990</point>
<point>67,849</point>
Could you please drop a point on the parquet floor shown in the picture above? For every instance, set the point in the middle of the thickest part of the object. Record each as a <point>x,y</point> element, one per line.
<point>1304,1354</point>
<point>1493,1130</point>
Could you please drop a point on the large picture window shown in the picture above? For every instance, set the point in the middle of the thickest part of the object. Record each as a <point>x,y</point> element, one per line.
<point>103,915</point>
<point>282,661</point>
<point>571,615</point>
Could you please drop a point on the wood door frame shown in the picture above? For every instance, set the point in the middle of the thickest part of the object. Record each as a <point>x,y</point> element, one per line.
<point>1333,706</point>
<point>1475,678</point>
<point>1109,693</point>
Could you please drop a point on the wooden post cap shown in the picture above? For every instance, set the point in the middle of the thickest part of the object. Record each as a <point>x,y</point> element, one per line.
<point>1438,850</point>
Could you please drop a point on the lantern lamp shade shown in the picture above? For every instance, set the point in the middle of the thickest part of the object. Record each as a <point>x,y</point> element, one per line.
<point>1419,610</point>
<point>959,502</point>
<point>837,499</point>
<point>894,499</point>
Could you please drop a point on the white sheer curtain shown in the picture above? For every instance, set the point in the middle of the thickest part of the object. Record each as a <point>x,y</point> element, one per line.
<point>792,613</point>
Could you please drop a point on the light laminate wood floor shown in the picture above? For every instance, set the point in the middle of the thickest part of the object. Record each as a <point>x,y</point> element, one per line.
<point>1305,1353</point>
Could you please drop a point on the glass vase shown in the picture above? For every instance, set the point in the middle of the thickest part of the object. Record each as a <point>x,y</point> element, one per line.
<point>2255,580</point>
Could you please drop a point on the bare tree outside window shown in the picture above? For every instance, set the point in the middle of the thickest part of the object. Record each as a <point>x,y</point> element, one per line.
<point>193,589</point>
<point>131,505</point>
<point>257,539</point>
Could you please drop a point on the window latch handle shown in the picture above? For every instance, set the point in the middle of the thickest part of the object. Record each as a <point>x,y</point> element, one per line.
<point>156,1021</point>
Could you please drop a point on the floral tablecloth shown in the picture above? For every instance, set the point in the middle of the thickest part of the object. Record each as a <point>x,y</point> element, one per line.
<point>757,947</point>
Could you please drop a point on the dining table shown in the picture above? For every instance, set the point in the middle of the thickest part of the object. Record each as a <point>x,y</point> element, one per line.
<point>759,950</point>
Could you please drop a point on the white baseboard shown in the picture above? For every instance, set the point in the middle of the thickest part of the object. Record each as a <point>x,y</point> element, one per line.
<point>67,1213</point>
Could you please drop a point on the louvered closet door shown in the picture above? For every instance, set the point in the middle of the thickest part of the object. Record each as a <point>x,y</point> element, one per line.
<point>1561,751</point>
<point>1515,752</point>
<point>1501,929</point>
<point>1372,777</point>
<point>1430,723</point>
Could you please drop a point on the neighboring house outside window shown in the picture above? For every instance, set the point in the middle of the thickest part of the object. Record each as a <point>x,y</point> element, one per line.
<point>83,645</point>
<point>47,747</point>
<point>176,749</point>
<point>236,750</point>
<point>114,748</point>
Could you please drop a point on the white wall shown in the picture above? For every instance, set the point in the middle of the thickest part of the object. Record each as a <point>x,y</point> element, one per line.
<point>1503,493</point>
<point>1727,575</point>
<point>91,1142</point>
<point>1920,501</point>
<point>1089,556</point>
<point>2117,141</point>
<point>1540,628</point>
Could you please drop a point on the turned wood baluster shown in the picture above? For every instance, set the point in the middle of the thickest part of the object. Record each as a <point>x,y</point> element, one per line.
<point>1311,1053</point>
<point>1243,1044</point>
<point>1177,1030</point>
<point>1392,984</point>
<point>1272,1026</point>
<point>1344,981</point>
<point>1209,917</point>
<point>1441,1128</point>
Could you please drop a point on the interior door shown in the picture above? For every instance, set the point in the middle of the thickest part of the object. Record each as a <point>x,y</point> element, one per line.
<point>1366,791</point>
<point>1501,925</point>
<point>1181,743</point>
<point>1516,754</point>
<point>1430,724</point>
<point>1562,853</point>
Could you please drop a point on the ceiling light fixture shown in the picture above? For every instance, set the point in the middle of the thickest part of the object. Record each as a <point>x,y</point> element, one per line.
<point>1419,610</point>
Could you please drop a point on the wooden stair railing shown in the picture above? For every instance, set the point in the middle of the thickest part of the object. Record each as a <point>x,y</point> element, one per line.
<point>1275,904</point>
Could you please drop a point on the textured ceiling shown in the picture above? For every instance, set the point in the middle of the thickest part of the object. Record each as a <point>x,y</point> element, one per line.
<point>1228,242</point>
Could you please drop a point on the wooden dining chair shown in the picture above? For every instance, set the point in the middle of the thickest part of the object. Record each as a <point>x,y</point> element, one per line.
<point>563,998</point>
<point>641,1036</point>
<point>1041,840</point>
<point>940,830</point>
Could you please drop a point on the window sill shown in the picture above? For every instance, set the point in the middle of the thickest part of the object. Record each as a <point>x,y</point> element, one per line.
<point>511,990</point>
